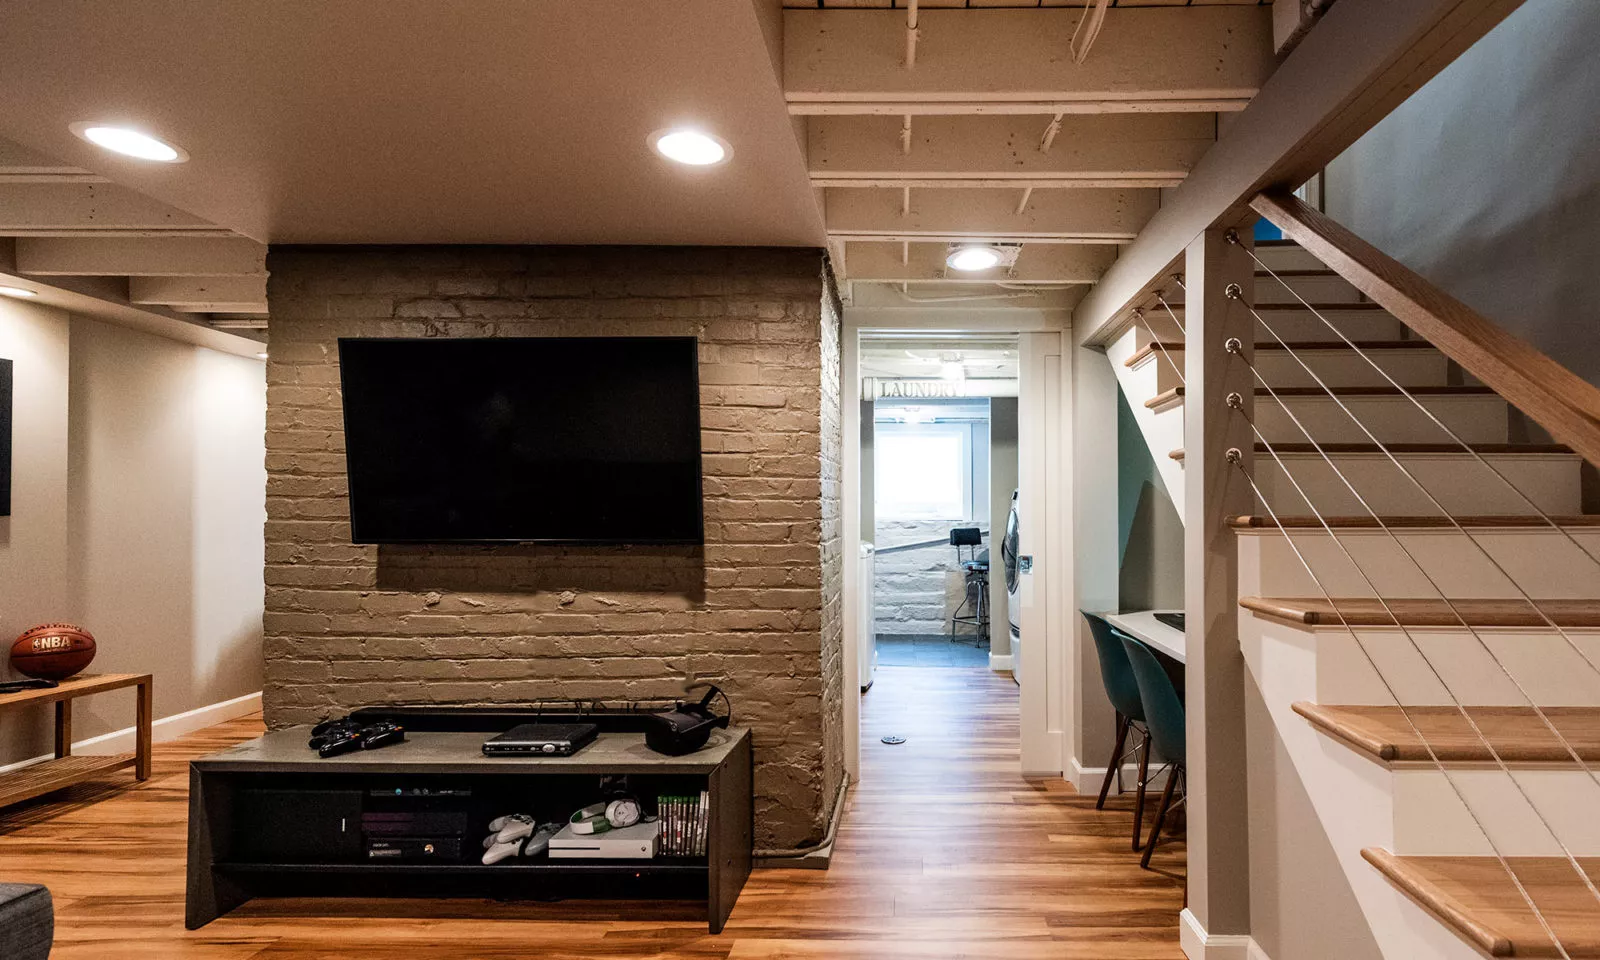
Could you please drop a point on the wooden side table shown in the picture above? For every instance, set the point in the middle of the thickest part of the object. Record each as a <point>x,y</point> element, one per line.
<point>67,769</point>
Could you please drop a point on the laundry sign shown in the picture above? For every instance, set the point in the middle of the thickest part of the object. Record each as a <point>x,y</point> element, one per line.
<point>893,388</point>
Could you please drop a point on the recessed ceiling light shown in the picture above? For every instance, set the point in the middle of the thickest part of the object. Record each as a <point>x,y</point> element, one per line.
<point>975,256</point>
<point>692,147</point>
<point>128,142</point>
<point>21,293</point>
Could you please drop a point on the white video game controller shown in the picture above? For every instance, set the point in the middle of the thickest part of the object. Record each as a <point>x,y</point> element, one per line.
<point>517,835</point>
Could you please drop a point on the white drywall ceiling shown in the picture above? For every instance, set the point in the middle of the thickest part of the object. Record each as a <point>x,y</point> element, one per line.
<point>407,121</point>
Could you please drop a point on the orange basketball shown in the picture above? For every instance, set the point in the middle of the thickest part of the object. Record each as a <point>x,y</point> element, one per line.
<point>53,651</point>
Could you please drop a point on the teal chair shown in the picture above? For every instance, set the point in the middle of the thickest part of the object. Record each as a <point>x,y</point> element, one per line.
<point>1164,718</point>
<point>1123,692</point>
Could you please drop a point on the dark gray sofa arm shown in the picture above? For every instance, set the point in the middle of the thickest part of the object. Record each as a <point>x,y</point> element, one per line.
<point>27,921</point>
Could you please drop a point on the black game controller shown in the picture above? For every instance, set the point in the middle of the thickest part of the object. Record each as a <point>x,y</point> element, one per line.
<point>333,737</point>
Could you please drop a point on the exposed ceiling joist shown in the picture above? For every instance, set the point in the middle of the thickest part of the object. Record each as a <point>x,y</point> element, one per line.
<point>1145,149</point>
<point>1083,216</point>
<point>201,294</point>
<point>921,108</point>
<point>1167,56</point>
<point>106,298</point>
<point>1037,263</point>
<point>91,209</point>
<point>999,183</point>
<point>1362,60</point>
<point>150,257</point>
<point>18,164</point>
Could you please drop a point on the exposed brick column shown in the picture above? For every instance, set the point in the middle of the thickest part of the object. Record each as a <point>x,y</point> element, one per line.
<point>757,611</point>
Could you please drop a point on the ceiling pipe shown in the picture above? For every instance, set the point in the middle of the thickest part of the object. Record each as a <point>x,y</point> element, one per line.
<point>1094,19</point>
<point>911,34</point>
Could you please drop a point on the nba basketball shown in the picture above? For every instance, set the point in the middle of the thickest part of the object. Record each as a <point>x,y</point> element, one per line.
<point>53,651</point>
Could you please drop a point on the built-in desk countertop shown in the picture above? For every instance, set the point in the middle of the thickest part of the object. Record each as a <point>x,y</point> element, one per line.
<point>1143,625</point>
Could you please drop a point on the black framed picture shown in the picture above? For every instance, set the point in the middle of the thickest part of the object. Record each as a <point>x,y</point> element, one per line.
<point>5,438</point>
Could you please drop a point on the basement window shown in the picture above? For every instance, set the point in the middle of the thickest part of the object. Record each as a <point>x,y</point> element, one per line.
<point>923,471</point>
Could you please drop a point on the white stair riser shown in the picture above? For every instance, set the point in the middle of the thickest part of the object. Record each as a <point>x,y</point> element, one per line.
<point>1483,667</point>
<point>1292,323</point>
<point>1409,808</point>
<point>1336,368</point>
<point>1345,368</point>
<point>1475,419</point>
<point>1140,383</point>
<point>1353,797</point>
<point>1431,819</point>
<point>1458,482</point>
<point>1545,564</point>
<point>1288,258</point>
<point>1314,289</point>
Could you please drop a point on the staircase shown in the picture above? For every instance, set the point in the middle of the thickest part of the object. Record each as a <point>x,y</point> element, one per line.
<point>1429,812</point>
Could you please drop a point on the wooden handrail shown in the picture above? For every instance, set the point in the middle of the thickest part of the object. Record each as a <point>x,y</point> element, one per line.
<point>1556,398</point>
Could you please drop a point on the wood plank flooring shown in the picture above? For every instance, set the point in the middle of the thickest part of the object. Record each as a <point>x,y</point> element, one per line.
<point>945,852</point>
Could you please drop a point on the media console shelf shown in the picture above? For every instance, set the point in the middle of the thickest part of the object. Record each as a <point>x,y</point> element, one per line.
<point>270,818</point>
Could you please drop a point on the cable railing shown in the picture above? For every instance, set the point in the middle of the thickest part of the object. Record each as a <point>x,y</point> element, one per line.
<point>1566,419</point>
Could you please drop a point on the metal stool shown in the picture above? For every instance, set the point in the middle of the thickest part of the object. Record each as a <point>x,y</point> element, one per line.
<point>975,573</point>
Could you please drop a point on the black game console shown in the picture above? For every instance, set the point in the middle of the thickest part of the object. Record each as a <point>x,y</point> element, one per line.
<point>414,849</point>
<point>541,739</point>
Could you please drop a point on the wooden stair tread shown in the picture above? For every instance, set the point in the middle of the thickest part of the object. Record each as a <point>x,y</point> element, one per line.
<point>1365,522</point>
<point>1516,733</point>
<point>41,778</point>
<point>1299,448</point>
<point>1176,393</point>
<point>1176,346</point>
<point>1475,898</point>
<point>1423,612</point>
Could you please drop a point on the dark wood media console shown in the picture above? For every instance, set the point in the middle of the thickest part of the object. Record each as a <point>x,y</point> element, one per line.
<point>270,818</point>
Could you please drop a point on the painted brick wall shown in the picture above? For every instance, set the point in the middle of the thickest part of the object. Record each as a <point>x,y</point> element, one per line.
<point>916,591</point>
<point>756,610</point>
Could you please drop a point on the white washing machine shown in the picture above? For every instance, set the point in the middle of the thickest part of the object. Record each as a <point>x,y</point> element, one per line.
<point>1010,549</point>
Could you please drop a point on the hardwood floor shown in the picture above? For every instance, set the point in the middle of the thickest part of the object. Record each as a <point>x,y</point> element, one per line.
<point>946,852</point>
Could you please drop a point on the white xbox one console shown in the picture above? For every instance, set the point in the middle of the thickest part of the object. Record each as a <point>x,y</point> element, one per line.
<point>637,842</point>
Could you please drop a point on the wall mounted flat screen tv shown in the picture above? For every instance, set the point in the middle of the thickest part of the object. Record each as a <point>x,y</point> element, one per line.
<point>552,439</point>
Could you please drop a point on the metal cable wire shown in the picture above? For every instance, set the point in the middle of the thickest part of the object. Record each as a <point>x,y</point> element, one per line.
<point>1234,347</point>
<point>1561,738</point>
<point>1505,864</point>
<point>1410,638</point>
<point>1138,317</point>
<point>1539,511</point>
<point>1437,505</point>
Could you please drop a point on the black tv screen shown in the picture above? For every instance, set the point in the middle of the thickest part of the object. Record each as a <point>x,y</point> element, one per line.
<point>564,439</point>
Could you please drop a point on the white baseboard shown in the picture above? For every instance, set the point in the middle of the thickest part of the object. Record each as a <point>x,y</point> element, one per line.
<point>162,730</point>
<point>1199,945</point>
<point>999,661</point>
<point>1088,779</point>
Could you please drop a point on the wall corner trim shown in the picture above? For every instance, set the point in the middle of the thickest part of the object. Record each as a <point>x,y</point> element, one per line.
<point>1200,945</point>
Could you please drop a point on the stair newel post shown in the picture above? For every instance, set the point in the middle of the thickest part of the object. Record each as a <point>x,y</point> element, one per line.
<point>1217,442</point>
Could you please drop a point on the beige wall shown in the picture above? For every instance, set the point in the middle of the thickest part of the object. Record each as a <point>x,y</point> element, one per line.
<point>138,509</point>
<point>1485,180</point>
<point>1301,904</point>
<point>1002,481</point>
<point>756,610</point>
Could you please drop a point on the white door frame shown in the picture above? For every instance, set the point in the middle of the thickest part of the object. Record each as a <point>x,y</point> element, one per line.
<point>1044,444</point>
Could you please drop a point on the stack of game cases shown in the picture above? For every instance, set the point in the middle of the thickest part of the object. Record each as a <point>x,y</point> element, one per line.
<point>683,824</point>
